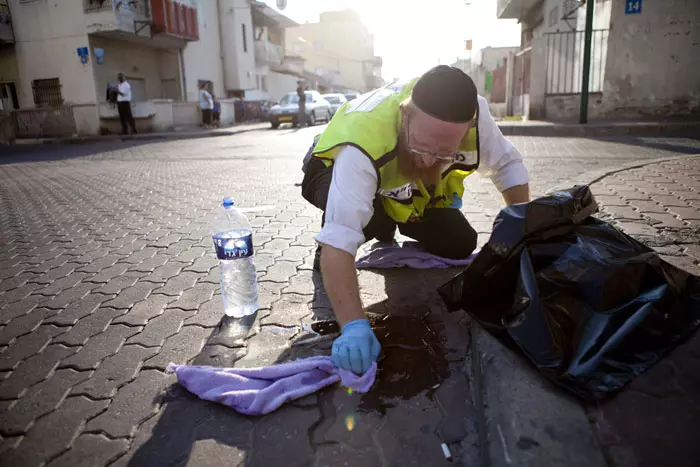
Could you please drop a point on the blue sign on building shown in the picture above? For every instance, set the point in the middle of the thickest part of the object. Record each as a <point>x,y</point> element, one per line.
<point>82,51</point>
<point>632,7</point>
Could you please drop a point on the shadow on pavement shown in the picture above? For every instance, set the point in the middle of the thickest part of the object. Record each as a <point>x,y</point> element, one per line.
<point>421,397</point>
<point>22,153</point>
<point>681,144</point>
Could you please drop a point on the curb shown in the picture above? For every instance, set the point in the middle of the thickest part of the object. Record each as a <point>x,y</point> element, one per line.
<point>691,129</point>
<point>174,136</point>
<point>523,418</point>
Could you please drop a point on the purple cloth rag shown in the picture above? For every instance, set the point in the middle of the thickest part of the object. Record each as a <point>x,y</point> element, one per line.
<point>258,391</point>
<point>410,255</point>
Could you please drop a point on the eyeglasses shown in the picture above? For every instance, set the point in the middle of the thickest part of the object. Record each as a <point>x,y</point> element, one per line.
<point>423,154</point>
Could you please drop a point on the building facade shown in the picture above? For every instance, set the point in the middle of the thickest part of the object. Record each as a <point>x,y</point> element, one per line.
<point>338,48</point>
<point>642,59</point>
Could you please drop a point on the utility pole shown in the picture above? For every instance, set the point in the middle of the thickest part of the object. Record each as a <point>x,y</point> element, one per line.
<point>588,35</point>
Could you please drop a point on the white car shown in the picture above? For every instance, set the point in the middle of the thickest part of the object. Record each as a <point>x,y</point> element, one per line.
<point>336,101</point>
<point>317,108</point>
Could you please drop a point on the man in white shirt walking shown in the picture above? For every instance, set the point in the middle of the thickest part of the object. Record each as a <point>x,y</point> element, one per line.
<point>124,104</point>
<point>397,157</point>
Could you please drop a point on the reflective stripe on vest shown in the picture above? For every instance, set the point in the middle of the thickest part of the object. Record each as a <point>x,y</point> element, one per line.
<point>372,124</point>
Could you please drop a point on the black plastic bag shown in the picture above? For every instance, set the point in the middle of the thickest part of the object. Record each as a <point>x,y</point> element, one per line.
<point>589,306</point>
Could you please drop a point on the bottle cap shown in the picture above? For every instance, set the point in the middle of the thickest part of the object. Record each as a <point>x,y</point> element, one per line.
<point>228,202</point>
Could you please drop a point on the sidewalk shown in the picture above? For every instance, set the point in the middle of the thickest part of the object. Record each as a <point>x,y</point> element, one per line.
<point>599,128</point>
<point>177,133</point>
<point>652,422</point>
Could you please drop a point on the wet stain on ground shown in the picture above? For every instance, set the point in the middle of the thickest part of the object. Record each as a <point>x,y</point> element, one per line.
<point>412,361</point>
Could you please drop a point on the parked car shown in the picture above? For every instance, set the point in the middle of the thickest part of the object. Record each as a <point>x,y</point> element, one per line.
<point>317,108</point>
<point>336,100</point>
<point>351,95</point>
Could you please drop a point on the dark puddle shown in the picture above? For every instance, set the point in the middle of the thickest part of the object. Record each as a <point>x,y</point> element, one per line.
<point>412,361</point>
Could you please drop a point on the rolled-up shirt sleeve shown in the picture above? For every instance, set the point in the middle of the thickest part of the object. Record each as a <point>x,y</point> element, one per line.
<point>500,160</point>
<point>350,201</point>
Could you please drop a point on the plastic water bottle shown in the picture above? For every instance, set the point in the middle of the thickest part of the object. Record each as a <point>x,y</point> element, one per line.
<point>233,242</point>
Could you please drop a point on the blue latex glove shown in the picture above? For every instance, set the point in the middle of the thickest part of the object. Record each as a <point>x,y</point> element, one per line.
<point>456,201</point>
<point>356,348</point>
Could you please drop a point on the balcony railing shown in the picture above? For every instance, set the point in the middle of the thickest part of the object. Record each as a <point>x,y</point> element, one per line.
<point>6,32</point>
<point>268,53</point>
<point>140,8</point>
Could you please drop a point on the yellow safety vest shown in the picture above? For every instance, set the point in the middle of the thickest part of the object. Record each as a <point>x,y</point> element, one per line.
<point>371,123</point>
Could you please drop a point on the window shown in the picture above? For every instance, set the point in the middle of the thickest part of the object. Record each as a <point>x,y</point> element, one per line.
<point>257,81</point>
<point>183,20</point>
<point>263,82</point>
<point>245,39</point>
<point>318,46</point>
<point>172,22</point>
<point>47,92</point>
<point>168,89</point>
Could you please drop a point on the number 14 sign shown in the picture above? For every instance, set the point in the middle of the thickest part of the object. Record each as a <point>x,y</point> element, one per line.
<point>633,7</point>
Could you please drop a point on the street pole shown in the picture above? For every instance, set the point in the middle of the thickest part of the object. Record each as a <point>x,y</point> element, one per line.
<point>588,35</point>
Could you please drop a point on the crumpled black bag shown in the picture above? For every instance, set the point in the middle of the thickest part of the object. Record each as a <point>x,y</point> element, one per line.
<point>589,306</point>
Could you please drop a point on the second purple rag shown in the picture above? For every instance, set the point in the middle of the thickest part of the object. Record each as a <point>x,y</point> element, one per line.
<point>258,391</point>
<point>410,255</point>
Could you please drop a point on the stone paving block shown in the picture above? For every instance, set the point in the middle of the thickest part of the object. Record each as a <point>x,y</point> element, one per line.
<point>91,450</point>
<point>647,206</point>
<point>165,272</point>
<point>7,443</point>
<point>99,264</point>
<point>119,283</point>
<point>264,349</point>
<point>666,220</point>
<point>99,347</point>
<point>161,327</point>
<point>27,345</point>
<point>128,297</point>
<point>296,253</point>
<point>670,200</point>
<point>64,283</point>
<point>289,310</point>
<point>107,274</point>
<point>623,212</point>
<point>17,281</point>
<point>212,276</point>
<point>180,348</point>
<point>89,326</point>
<point>176,285</point>
<point>149,264</point>
<point>23,325</point>
<point>193,298</point>
<point>288,432</point>
<point>115,371</point>
<point>134,403</point>
<point>21,293</point>
<point>301,283</point>
<point>13,310</point>
<point>145,310</point>
<point>636,229</point>
<point>280,271</point>
<point>190,255</point>
<point>686,263</point>
<point>54,433</point>
<point>204,264</point>
<point>70,296</point>
<point>181,246</point>
<point>269,292</point>
<point>686,213</point>
<point>33,370</point>
<point>208,314</point>
<point>39,400</point>
<point>77,310</point>
<point>275,247</point>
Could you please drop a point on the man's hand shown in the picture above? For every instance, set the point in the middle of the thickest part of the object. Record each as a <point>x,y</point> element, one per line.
<point>517,194</point>
<point>356,348</point>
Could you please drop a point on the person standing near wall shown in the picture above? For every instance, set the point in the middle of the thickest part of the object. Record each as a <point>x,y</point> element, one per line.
<point>124,104</point>
<point>206,104</point>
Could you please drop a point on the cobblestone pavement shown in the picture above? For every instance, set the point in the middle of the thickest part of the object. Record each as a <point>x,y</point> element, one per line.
<point>107,275</point>
<point>654,422</point>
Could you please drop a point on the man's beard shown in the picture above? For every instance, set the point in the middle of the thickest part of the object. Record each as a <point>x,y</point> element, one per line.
<point>408,167</point>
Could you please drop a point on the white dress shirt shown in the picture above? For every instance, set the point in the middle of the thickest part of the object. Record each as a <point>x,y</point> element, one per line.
<point>125,89</point>
<point>354,184</point>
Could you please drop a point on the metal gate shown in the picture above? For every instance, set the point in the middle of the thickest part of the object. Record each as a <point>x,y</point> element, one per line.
<point>564,61</point>
<point>48,122</point>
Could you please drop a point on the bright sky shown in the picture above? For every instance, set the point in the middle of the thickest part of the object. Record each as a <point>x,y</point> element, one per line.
<point>412,36</point>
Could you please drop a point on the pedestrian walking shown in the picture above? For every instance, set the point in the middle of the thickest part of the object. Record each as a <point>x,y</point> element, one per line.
<point>124,104</point>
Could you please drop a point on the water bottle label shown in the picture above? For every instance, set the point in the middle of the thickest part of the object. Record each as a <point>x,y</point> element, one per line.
<point>232,246</point>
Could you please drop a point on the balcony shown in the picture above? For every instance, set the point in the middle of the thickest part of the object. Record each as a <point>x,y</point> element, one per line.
<point>124,16</point>
<point>267,53</point>
<point>7,35</point>
<point>514,8</point>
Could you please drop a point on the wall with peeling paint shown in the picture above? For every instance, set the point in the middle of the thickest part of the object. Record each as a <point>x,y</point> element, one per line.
<point>652,67</point>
